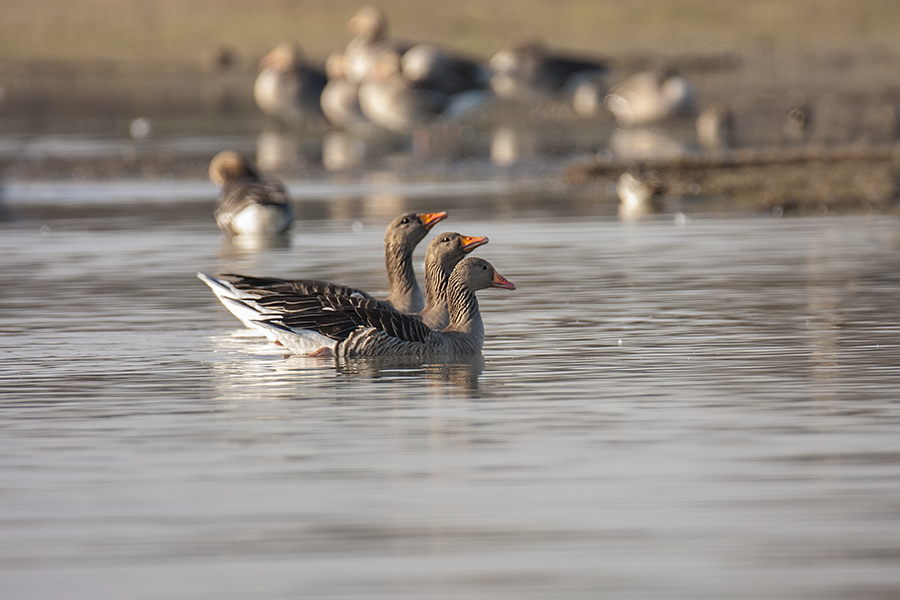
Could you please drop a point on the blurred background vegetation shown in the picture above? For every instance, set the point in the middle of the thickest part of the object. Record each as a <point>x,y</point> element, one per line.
<point>180,31</point>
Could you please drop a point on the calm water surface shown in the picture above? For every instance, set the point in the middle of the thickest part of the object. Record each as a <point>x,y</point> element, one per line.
<point>677,408</point>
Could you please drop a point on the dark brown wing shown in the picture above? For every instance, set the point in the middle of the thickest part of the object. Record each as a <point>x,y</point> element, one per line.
<point>338,316</point>
<point>274,285</point>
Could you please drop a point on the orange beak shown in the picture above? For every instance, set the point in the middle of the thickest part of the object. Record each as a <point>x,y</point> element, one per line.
<point>470,243</point>
<point>502,282</point>
<point>429,220</point>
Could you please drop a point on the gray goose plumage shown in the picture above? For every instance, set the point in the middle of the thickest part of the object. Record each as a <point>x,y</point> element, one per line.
<point>651,96</point>
<point>369,27</point>
<point>248,203</point>
<point>350,327</point>
<point>340,96</point>
<point>287,88</point>
<point>402,236</point>
<point>532,71</point>
<point>433,67</point>
<point>444,252</point>
<point>391,101</point>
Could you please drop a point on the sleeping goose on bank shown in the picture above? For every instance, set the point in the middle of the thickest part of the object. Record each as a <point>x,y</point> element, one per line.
<point>651,96</point>
<point>369,27</point>
<point>402,236</point>
<point>248,204</point>
<point>533,71</point>
<point>349,326</point>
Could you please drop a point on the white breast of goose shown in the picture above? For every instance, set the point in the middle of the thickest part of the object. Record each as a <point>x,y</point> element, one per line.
<point>259,218</point>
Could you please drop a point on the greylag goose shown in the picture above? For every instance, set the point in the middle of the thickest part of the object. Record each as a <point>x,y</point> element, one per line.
<point>531,71</point>
<point>287,88</point>
<point>404,85</point>
<point>370,39</point>
<point>433,67</point>
<point>391,101</point>
<point>248,204</point>
<point>639,195</point>
<point>340,97</point>
<point>651,96</point>
<point>349,326</point>
<point>715,128</point>
<point>443,254</point>
<point>402,236</point>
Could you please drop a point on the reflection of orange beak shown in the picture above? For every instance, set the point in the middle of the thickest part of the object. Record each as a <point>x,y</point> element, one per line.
<point>470,243</point>
<point>502,282</point>
<point>429,220</point>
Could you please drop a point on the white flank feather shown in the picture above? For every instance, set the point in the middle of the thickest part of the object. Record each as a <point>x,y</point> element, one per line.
<point>300,341</point>
<point>240,304</point>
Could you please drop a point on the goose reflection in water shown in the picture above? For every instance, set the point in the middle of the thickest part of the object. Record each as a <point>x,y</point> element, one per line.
<point>462,372</point>
<point>260,369</point>
<point>240,244</point>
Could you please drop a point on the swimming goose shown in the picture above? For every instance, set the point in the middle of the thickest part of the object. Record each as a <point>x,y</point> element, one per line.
<point>248,204</point>
<point>349,326</point>
<point>287,88</point>
<point>443,254</point>
<point>651,96</point>
<point>402,236</point>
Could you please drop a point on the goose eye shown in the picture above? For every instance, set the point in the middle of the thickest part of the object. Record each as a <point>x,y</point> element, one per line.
<point>484,267</point>
<point>405,220</point>
<point>445,240</point>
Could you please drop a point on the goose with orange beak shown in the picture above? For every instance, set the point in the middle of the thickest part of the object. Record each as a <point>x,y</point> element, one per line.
<point>402,236</point>
<point>349,326</point>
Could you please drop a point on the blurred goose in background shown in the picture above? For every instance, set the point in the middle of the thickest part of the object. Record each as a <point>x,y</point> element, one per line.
<point>340,96</point>
<point>402,236</point>
<point>715,128</point>
<point>434,67</point>
<point>532,71</point>
<point>391,101</point>
<point>287,88</point>
<point>651,96</point>
<point>370,39</point>
<point>349,326</point>
<point>797,126</point>
<point>248,204</point>
<point>639,195</point>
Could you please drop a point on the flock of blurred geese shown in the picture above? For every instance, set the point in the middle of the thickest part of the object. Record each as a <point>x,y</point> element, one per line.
<point>382,82</point>
<point>380,85</point>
